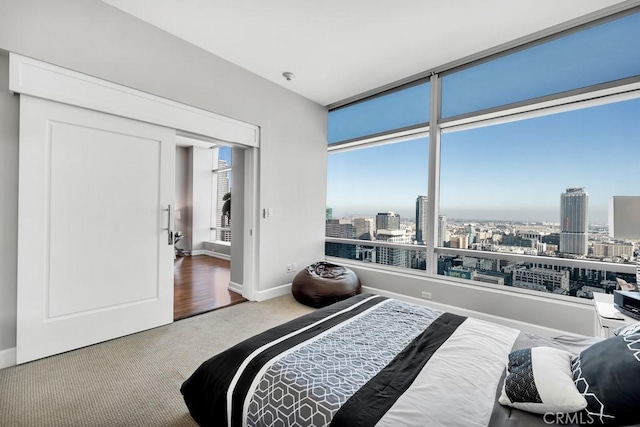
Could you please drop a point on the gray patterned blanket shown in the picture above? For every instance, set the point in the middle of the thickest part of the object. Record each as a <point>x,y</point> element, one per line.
<point>365,361</point>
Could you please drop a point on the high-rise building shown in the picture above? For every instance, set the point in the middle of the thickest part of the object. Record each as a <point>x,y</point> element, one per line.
<point>328,213</point>
<point>388,221</point>
<point>421,220</point>
<point>442,230</point>
<point>574,209</point>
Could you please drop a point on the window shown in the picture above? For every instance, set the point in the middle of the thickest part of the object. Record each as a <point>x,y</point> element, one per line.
<point>404,108</point>
<point>374,194</point>
<point>598,54</point>
<point>541,187</point>
<point>221,212</point>
<point>523,194</point>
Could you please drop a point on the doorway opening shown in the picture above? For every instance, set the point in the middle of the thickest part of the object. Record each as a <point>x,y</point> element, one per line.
<point>204,196</point>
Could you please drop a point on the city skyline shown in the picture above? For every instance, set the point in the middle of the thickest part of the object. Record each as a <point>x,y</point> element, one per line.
<point>514,171</point>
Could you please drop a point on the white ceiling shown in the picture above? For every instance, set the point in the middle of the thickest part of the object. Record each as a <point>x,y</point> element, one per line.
<point>341,48</point>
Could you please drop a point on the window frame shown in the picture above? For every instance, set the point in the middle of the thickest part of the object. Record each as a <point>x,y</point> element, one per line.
<point>575,99</point>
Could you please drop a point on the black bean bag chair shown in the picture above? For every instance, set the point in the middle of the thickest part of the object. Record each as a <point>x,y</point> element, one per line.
<point>324,283</point>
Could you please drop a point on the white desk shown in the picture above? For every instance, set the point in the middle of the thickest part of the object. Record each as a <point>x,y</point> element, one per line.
<point>608,317</point>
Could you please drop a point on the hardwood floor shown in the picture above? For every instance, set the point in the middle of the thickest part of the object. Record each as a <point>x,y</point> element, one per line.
<point>200,285</point>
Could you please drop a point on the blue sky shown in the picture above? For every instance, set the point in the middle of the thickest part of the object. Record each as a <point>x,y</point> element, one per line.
<point>513,171</point>
<point>224,153</point>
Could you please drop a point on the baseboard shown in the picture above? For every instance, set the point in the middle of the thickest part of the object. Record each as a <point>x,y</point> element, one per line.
<point>523,326</point>
<point>273,292</point>
<point>235,287</point>
<point>7,358</point>
<point>211,254</point>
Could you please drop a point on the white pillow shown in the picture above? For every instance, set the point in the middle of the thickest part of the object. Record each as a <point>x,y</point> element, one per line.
<point>540,380</point>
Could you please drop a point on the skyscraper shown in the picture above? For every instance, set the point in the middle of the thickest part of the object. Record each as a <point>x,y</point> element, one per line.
<point>574,208</point>
<point>421,219</point>
<point>442,230</point>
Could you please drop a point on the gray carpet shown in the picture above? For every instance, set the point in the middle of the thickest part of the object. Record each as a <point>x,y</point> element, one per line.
<point>135,380</point>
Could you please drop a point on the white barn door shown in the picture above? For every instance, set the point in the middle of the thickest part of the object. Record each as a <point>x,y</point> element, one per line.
<point>95,260</point>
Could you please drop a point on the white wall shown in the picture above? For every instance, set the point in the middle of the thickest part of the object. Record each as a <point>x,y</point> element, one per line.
<point>201,201</point>
<point>92,37</point>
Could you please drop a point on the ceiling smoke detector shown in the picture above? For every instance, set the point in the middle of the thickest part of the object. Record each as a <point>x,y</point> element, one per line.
<point>288,75</point>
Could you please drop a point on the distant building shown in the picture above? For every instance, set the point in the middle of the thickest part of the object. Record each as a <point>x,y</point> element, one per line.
<point>470,230</point>
<point>392,256</point>
<point>612,250</point>
<point>460,242</point>
<point>421,219</point>
<point>574,208</point>
<point>364,228</point>
<point>541,279</point>
<point>328,213</point>
<point>388,221</point>
<point>442,230</point>
<point>336,228</point>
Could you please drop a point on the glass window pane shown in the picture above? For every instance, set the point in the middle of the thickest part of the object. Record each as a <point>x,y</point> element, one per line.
<point>403,108</point>
<point>542,187</point>
<point>222,183</point>
<point>598,54</point>
<point>376,194</point>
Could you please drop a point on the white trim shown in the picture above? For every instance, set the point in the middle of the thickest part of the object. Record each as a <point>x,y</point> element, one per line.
<point>523,326</point>
<point>250,237</point>
<point>273,292</point>
<point>8,358</point>
<point>211,254</point>
<point>40,79</point>
<point>235,287</point>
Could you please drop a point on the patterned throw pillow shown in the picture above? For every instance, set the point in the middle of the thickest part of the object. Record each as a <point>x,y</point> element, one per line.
<point>632,329</point>
<point>608,375</point>
<point>539,380</point>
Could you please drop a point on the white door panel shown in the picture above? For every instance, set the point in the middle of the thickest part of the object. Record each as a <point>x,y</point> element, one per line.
<point>94,259</point>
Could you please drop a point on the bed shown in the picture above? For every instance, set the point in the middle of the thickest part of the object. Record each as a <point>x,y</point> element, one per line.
<point>372,360</point>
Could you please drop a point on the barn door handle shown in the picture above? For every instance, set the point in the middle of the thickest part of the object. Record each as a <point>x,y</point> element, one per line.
<point>169,230</point>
